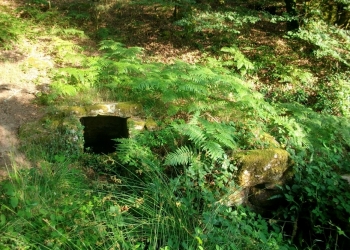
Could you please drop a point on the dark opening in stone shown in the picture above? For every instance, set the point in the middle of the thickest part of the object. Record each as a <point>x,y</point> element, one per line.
<point>99,132</point>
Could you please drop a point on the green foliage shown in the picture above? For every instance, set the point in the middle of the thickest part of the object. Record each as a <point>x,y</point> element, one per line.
<point>333,94</point>
<point>209,137</point>
<point>56,136</point>
<point>321,135</point>
<point>222,227</point>
<point>194,193</point>
<point>319,202</point>
<point>39,206</point>
<point>319,145</point>
<point>330,41</point>
<point>10,30</point>
<point>309,86</point>
<point>292,84</point>
<point>117,51</point>
<point>240,61</point>
<point>163,189</point>
<point>54,207</point>
<point>332,12</point>
<point>178,87</point>
<point>228,22</point>
<point>69,81</point>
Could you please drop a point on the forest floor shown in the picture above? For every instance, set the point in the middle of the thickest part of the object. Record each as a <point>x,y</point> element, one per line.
<point>17,95</point>
<point>18,90</point>
<point>20,78</point>
<point>24,68</point>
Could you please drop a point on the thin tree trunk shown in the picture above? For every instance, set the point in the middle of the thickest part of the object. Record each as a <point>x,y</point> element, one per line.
<point>291,7</point>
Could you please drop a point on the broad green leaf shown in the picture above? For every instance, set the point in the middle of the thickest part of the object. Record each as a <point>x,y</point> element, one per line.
<point>14,202</point>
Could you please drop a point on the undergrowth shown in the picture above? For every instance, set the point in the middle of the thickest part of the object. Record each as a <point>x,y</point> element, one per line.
<point>166,188</point>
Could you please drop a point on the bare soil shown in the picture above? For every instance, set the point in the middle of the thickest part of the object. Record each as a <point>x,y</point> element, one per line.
<point>17,95</point>
<point>16,108</point>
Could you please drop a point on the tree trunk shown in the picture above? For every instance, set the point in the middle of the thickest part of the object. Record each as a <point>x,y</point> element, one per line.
<point>291,7</point>
<point>343,16</point>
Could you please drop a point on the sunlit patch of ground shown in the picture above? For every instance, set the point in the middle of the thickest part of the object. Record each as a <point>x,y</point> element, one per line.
<point>22,70</point>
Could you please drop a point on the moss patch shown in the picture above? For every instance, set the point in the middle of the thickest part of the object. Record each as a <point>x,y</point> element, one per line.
<point>122,109</point>
<point>261,166</point>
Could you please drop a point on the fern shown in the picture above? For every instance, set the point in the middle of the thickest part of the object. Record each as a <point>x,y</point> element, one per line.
<point>76,76</point>
<point>11,28</point>
<point>218,21</point>
<point>221,132</point>
<point>205,106</point>
<point>182,156</point>
<point>179,87</point>
<point>115,50</point>
<point>330,40</point>
<point>214,149</point>
<point>191,88</point>
<point>209,137</point>
<point>240,61</point>
<point>64,89</point>
<point>194,132</point>
<point>134,154</point>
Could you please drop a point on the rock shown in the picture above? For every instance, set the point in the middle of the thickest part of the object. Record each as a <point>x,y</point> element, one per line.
<point>261,166</point>
<point>346,177</point>
<point>121,109</point>
<point>93,126</point>
<point>150,124</point>
<point>260,175</point>
<point>269,140</point>
<point>238,196</point>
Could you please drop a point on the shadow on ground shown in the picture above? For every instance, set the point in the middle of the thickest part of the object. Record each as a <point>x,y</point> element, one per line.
<point>16,108</point>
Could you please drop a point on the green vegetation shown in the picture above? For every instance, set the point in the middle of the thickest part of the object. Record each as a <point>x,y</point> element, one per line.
<point>256,82</point>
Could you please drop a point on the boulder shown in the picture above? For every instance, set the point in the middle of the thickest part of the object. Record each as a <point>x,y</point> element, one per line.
<point>260,175</point>
<point>261,166</point>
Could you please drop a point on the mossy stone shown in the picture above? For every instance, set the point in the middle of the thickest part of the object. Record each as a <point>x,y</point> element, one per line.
<point>128,109</point>
<point>151,124</point>
<point>261,166</point>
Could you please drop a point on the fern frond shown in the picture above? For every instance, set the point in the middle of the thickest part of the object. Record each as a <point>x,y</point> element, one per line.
<point>221,132</point>
<point>205,106</point>
<point>64,89</point>
<point>202,74</point>
<point>193,88</point>
<point>226,139</point>
<point>117,50</point>
<point>182,156</point>
<point>195,118</point>
<point>126,67</point>
<point>147,84</point>
<point>194,132</point>
<point>169,96</point>
<point>213,149</point>
<point>133,153</point>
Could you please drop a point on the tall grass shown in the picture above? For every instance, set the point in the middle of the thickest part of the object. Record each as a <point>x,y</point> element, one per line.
<point>54,206</point>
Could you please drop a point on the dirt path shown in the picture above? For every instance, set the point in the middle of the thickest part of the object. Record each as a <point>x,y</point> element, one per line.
<point>18,86</point>
<point>16,108</point>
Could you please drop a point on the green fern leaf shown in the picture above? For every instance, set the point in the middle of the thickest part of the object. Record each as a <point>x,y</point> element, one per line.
<point>64,89</point>
<point>213,149</point>
<point>182,156</point>
<point>116,50</point>
<point>195,133</point>
<point>193,89</point>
